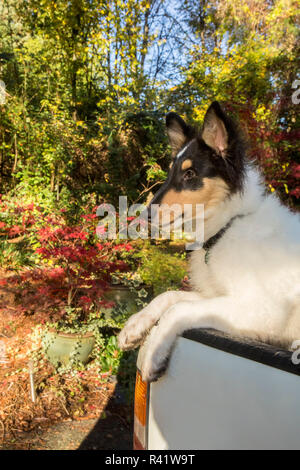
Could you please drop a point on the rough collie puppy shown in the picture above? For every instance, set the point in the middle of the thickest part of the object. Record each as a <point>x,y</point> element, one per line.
<point>246,279</point>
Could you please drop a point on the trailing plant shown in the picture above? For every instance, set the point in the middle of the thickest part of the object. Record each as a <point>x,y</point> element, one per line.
<point>106,358</point>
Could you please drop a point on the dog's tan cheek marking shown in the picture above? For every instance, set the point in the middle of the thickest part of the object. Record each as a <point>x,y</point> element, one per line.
<point>213,191</point>
<point>171,197</point>
<point>216,191</point>
<point>186,164</point>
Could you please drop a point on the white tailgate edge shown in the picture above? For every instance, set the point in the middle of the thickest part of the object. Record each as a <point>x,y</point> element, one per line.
<point>211,399</point>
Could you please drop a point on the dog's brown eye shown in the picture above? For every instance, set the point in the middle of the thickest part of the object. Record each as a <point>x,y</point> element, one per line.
<point>189,174</point>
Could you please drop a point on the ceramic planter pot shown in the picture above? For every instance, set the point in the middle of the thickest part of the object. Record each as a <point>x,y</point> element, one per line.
<point>126,297</point>
<point>61,347</point>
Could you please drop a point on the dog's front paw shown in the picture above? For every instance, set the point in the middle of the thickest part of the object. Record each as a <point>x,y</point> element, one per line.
<point>157,355</point>
<point>127,339</point>
<point>154,367</point>
<point>132,334</point>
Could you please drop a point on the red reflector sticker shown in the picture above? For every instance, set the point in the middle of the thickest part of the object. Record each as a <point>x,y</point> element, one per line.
<point>136,443</point>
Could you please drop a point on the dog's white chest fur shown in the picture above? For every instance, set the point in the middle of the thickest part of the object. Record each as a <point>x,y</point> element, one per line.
<point>256,263</point>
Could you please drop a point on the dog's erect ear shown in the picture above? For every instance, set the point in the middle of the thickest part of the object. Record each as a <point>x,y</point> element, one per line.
<point>214,132</point>
<point>178,132</point>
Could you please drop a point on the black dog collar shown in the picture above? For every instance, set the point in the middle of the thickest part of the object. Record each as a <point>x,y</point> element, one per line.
<point>210,243</point>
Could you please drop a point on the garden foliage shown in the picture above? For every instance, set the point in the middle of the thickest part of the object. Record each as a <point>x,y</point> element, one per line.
<point>88,83</point>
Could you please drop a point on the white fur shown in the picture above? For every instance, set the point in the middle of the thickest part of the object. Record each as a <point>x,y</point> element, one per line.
<point>250,286</point>
<point>179,154</point>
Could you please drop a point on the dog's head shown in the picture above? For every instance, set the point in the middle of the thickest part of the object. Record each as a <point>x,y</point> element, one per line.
<point>208,166</point>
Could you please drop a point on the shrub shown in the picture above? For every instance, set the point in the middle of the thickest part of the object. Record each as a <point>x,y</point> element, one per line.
<point>161,269</point>
<point>71,268</point>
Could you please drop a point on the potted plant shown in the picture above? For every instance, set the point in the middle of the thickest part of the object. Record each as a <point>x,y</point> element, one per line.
<point>128,290</point>
<point>71,341</point>
<point>65,348</point>
<point>73,275</point>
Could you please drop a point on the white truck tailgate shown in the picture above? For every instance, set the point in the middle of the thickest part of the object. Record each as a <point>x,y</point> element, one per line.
<point>213,399</point>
